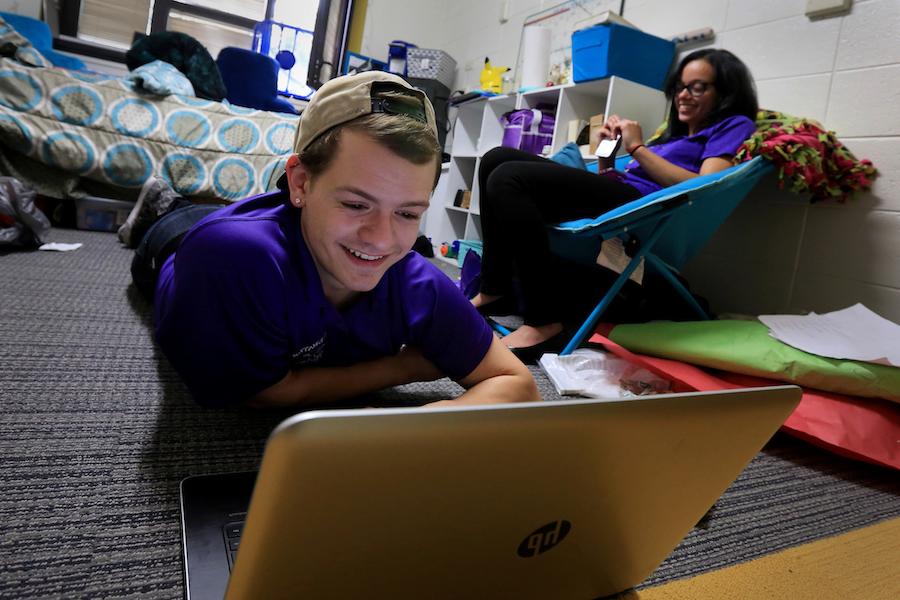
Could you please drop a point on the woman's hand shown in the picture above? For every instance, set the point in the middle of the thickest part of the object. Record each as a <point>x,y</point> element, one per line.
<point>615,126</point>
<point>606,132</point>
<point>631,132</point>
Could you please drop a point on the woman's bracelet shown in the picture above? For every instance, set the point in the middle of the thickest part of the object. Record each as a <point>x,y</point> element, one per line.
<point>635,149</point>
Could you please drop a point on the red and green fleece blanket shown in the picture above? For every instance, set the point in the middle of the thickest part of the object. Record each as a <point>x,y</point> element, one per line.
<point>809,158</point>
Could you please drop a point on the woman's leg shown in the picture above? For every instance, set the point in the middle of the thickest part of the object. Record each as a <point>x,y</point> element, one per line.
<point>497,259</point>
<point>523,198</point>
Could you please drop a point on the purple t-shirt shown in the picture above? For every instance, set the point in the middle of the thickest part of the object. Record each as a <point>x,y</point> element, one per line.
<point>689,152</point>
<point>241,303</point>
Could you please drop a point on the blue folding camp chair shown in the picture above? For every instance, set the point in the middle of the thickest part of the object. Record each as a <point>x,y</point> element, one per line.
<point>670,226</point>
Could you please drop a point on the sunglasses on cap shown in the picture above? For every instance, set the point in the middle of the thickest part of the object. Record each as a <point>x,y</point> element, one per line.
<point>409,106</point>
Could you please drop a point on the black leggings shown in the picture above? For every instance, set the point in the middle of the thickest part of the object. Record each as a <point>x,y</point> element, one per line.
<point>520,194</point>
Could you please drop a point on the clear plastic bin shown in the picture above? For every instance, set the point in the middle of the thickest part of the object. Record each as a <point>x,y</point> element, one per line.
<point>101,214</point>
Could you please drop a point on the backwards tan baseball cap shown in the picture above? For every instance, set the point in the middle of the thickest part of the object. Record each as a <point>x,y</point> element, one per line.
<point>349,97</point>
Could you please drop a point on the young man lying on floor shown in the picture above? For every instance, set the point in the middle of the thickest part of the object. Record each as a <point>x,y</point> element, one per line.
<point>310,294</point>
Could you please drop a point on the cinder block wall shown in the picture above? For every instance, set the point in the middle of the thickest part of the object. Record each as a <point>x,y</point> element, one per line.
<point>778,253</point>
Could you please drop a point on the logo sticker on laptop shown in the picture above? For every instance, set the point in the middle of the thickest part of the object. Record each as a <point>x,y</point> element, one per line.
<point>544,538</point>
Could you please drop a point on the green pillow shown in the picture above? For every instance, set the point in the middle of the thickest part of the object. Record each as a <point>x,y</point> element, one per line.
<point>746,347</point>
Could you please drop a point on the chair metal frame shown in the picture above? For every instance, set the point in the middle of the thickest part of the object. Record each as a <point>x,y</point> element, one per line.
<point>671,226</point>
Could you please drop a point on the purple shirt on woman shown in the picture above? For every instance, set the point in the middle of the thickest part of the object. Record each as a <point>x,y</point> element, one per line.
<point>240,304</point>
<point>689,151</point>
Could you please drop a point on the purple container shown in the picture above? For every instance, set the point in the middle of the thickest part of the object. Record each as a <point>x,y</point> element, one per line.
<point>529,129</point>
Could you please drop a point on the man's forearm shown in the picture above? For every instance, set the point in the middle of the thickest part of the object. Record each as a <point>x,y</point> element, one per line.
<point>500,377</point>
<point>498,390</point>
<point>320,385</point>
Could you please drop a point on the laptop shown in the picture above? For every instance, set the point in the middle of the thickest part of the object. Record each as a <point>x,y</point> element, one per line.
<point>566,499</point>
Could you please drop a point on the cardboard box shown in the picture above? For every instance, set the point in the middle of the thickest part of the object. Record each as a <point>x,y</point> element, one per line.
<point>596,123</point>
<point>607,50</point>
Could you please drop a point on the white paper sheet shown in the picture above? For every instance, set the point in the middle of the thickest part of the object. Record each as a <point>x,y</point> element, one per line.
<point>60,246</point>
<point>854,333</point>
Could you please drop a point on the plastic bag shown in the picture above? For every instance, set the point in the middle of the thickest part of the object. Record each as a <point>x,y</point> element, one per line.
<point>22,224</point>
<point>596,374</point>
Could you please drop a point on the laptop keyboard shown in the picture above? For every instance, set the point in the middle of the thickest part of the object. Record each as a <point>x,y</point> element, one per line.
<point>231,532</point>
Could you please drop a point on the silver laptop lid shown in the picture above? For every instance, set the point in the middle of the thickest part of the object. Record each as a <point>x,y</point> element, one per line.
<point>570,499</point>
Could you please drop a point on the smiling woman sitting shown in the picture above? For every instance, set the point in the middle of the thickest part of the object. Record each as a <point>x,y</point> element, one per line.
<point>713,104</point>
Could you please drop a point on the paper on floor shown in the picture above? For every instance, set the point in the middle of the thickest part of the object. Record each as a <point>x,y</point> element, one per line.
<point>854,333</point>
<point>60,246</point>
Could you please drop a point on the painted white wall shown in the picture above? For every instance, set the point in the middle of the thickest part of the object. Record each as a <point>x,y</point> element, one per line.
<point>778,253</point>
<point>468,30</point>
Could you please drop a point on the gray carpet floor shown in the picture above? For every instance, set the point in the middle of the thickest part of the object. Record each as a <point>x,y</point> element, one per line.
<point>96,431</point>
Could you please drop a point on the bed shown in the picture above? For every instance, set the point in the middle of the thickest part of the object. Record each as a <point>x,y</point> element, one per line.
<point>62,131</point>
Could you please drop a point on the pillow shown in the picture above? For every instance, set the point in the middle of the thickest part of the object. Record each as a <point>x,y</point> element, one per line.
<point>184,53</point>
<point>14,45</point>
<point>160,78</point>
<point>860,428</point>
<point>570,156</point>
<point>746,347</point>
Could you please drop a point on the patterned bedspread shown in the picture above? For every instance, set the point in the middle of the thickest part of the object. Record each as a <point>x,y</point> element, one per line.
<point>57,126</point>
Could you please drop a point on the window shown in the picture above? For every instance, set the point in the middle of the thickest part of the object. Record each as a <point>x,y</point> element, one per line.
<point>113,24</point>
<point>215,24</point>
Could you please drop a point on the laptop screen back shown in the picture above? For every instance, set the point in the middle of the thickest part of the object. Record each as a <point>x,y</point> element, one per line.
<point>571,499</point>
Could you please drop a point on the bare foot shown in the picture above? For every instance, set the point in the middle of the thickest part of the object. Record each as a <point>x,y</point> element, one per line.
<point>528,335</point>
<point>482,299</point>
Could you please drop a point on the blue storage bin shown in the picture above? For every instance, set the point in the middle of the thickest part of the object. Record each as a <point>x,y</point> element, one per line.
<point>354,60</point>
<point>610,49</point>
<point>290,46</point>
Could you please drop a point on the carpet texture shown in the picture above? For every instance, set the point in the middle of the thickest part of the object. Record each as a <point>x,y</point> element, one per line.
<point>96,431</point>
